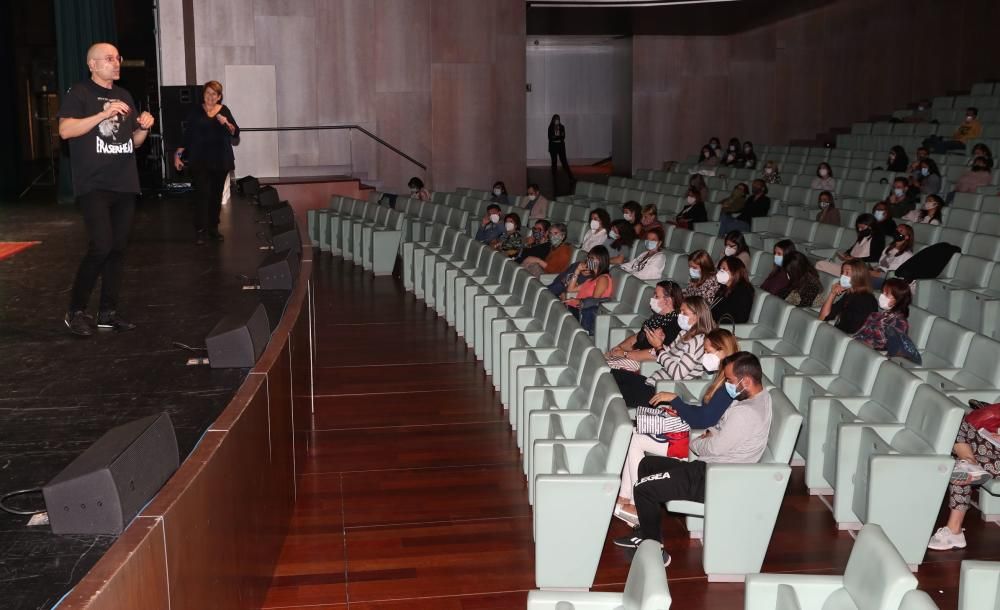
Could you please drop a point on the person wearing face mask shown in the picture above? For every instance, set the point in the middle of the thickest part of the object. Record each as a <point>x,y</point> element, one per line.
<point>824,179</point>
<point>719,346</point>
<point>968,130</point>
<point>914,168</point>
<point>701,270</point>
<point>490,228</point>
<point>804,287</point>
<point>757,205</point>
<point>732,206</point>
<point>850,300</point>
<point>733,156</point>
<point>867,248</point>
<point>713,145</point>
<point>884,223</point>
<point>619,242</point>
<point>511,242</point>
<point>771,173</point>
<point>894,255</point>
<point>902,198</point>
<point>891,317</point>
<point>537,244</point>
<point>981,150</point>
<point>590,284</point>
<point>929,213</point>
<point>557,148</point>
<point>693,211</point>
<point>708,158</point>
<point>664,304</point>
<point>977,176</point>
<point>776,281</point>
<point>921,114</point>
<point>749,156</point>
<point>697,182</point>
<point>828,213</point>
<point>736,245</point>
<point>928,178</point>
<point>734,299</point>
<point>499,195</point>
<point>632,213</point>
<point>649,219</point>
<point>648,265</point>
<point>680,359</point>
<point>898,159</point>
<point>538,205</point>
<point>600,222</point>
<point>739,437</point>
<point>558,256</point>
<point>417,189</point>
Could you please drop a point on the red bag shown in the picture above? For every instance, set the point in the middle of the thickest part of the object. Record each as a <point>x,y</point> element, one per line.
<point>986,417</point>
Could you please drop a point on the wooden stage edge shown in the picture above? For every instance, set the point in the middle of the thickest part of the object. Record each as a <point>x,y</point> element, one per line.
<point>212,535</point>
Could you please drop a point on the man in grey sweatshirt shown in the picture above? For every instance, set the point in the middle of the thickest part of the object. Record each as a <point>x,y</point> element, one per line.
<point>740,437</point>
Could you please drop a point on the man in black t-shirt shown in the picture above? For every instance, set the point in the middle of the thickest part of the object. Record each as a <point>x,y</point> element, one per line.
<point>100,121</point>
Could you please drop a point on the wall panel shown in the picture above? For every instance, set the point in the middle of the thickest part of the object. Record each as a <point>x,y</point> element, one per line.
<point>462,118</point>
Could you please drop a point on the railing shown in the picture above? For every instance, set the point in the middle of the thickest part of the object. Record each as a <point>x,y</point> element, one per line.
<point>352,128</point>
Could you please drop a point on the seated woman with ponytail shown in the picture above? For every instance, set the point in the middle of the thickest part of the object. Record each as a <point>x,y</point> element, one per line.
<point>665,303</point>
<point>680,417</point>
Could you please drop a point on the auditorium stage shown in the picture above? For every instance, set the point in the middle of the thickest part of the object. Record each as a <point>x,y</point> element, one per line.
<point>59,393</point>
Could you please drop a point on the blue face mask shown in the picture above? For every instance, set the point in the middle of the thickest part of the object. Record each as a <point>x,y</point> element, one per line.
<point>538,235</point>
<point>845,281</point>
<point>732,389</point>
<point>695,273</point>
<point>778,259</point>
<point>924,171</point>
<point>651,244</point>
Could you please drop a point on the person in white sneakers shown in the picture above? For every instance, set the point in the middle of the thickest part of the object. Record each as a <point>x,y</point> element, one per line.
<point>978,462</point>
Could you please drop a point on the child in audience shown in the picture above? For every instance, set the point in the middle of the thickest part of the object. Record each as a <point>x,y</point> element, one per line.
<point>665,304</point>
<point>719,345</point>
<point>734,300</point>
<point>850,300</point>
<point>701,270</point>
<point>650,263</point>
<point>891,317</point>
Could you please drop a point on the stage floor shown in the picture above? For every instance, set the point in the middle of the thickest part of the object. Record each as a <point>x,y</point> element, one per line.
<point>59,393</point>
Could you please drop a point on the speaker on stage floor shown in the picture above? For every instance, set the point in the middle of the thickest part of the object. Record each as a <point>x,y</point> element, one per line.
<point>278,271</point>
<point>239,339</point>
<point>109,483</point>
<point>286,238</point>
<point>268,197</point>
<point>281,215</point>
<point>248,186</point>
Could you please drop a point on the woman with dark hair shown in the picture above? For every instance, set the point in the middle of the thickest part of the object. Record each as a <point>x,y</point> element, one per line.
<point>499,194</point>
<point>619,242</point>
<point>898,160</point>
<point>632,213</point>
<point>701,270</point>
<point>776,282</point>
<point>828,213</point>
<point>734,300</point>
<point>771,173</point>
<point>708,158</point>
<point>417,189</point>
<point>894,309</point>
<point>981,150</point>
<point>693,211</point>
<point>209,133</point>
<point>902,198</point>
<point>867,248</point>
<point>850,300</point>
<point>884,223</point>
<point>590,280</point>
<point>977,176</point>
<point>734,244</point>
<point>929,214</point>
<point>697,182</point>
<point>749,156</point>
<point>648,265</point>
<point>557,147</point>
<point>510,243</point>
<point>665,304</point>
<point>894,255</point>
<point>927,177</point>
<point>824,180</point>
<point>600,223</point>
<point>734,155</point>
<point>804,286</point>
<point>713,145</point>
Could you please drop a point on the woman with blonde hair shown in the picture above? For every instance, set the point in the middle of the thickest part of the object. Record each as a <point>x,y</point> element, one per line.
<point>209,133</point>
<point>680,418</point>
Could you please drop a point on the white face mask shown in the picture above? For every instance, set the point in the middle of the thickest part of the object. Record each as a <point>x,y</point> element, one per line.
<point>824,173</point>
<point>730,251</point>
<point>613,234</point>
<point>684,322</point>
<point>845,282</point>
<point>722,276</point>
<point>532,197</point>
<point>654,304</point>
<point>510,227</point>
<point>929,205</point>
<point>898,192</point>
<point>969,118</point>
<point>879,215</point>
<point>629,216</point>
<point>883,302</point>
<point>652,244</point>
<point>768,170</point>
<point>925,171</point>
<point>413,191</point>
<point>710,362</point>
<point>690,200</point>
<point>695,273</point>
<point>595,225</point>
<point>824,204</point>
<point>494,218</point>
<point>497,191</point>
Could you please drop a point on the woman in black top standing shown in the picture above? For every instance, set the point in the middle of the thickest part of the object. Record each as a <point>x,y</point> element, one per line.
<point>208,150</point>
<point>557,147</point>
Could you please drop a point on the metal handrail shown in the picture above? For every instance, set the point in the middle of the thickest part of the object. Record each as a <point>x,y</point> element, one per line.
<point>358,127</point>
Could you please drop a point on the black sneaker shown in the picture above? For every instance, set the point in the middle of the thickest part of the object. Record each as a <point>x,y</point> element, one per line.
<point>79,323</point>
<point>628,542</point>
<point>109,320</point>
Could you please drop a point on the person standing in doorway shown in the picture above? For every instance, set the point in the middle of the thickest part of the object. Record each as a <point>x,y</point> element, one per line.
<point>209,132</point>
<point>557,148</point>
<point>100,121</point>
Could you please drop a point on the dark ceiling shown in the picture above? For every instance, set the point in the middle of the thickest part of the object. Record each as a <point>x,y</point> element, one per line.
<point>691,19</point>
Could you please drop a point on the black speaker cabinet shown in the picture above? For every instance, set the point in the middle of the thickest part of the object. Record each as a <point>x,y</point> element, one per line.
<point>282,215</point>
<point>176,103</point>
<point>238,340</point>
<point>106,486</point>
<point>268,197</point>
<point>286,239</point>
<point>278,271</point>
<point>248,186</point>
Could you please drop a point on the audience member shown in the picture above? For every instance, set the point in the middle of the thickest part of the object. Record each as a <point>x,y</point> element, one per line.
<point>665,304</point>
<point>708,159</point>
<point>732,205</point>
<point>713,145</point>
<point>735,244</point>
<point>417,189</point>
<point>490,228</point>
<point>824,180</point>
<point>619,242</point>
<point>828,213</point>
<point>693,211</point>
<point>968,130</point>
<point>928,179</point>
<point>538,205</point>
<point>850,300</point>
<point>977,176</point>
<point>922,113</point>
<point>719,345</point>
<point>590,284</point>
<point>914,168</point>
<point>884,223</point>
<point>929,213</point>
<point>648,265</point>
<point>898,160</point>
<point>558,257</point>
<point>537,245</point>
<point>771,174</point>
<point>867,247</point>
<point>510,242</point>
<point>701,270</point>
<point>902,198</point>
<point>697,182</point>
<point>600,222</point>
<point>981,150</point>
<point>632,213</point>
<point>894,255</point>
<point>804,287</point>
<point>649,219</point>
<point>733,155</point>
<point>776,281</point>
<point>499,194</point>
<point>734,299</point>
<point>740,437</point>
<point>891,317</point>
<point>749,156</point>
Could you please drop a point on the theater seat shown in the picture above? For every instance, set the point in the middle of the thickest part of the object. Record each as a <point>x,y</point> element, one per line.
<point>876,578</point>
<point>979,585</point>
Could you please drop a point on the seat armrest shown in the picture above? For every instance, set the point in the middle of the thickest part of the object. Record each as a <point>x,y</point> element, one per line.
<point>811,590</point>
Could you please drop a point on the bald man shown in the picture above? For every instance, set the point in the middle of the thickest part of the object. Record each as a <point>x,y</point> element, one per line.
<point>100,121</point>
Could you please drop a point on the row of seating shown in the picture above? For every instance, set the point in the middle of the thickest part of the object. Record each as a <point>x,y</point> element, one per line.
<point>369,235</point>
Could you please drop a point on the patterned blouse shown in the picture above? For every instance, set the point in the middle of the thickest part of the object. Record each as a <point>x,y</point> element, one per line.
<point>873,332</point>
<point>511,241</point>
<point>706,290</point>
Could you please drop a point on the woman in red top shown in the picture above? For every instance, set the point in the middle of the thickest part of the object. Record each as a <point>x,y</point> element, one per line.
<point>590,280</point>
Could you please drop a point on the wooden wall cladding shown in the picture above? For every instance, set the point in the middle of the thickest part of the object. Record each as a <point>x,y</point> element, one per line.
<point>212,535</point>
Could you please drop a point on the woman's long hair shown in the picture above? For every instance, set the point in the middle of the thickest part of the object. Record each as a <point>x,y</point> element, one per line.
<point>724,341</point>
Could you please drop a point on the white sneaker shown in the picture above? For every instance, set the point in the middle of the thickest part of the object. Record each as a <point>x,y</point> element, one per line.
<point>967,472</point>
<point>945,540</point>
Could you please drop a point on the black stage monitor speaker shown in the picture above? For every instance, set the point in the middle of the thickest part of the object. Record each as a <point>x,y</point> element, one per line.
<point>286,239</point>
<point>278,271</point>
<point>238,340</point>
<point>248,186</point>
<point>282,215</point>
<point>268,197</point>
<point>106,486</point>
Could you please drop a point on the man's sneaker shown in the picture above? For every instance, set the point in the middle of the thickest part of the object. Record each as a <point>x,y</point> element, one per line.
<point>628,542</point>
<point>623,515</point>
<point>79,323</point>
<point>971,474</point>
<point>945,540</point>
<point>109,320</point>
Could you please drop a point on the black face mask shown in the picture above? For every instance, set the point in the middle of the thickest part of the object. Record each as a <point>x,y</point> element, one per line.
<point>898,237</point>
<point>864,233</point>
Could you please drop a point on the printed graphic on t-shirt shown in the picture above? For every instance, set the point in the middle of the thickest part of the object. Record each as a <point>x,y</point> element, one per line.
<point>109,140</point>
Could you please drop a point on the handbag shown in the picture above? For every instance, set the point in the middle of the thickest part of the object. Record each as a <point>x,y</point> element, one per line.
<point>987,417</point>
<point>651,420</point>
<point>898,344</point>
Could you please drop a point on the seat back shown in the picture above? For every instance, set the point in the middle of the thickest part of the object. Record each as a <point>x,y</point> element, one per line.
<point>774,314</point>
<point>921,321</point>
<point>947,344</point>
<point>931,424</point>
<point>982,362</point>
<point>801,329</point>
<point>893,390</point>
<point>861,364</point>
<point>646,585</point>
<point>829,346</point>
<point>876,575</point>
<point>785,424</point>
<point>608,455</point>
